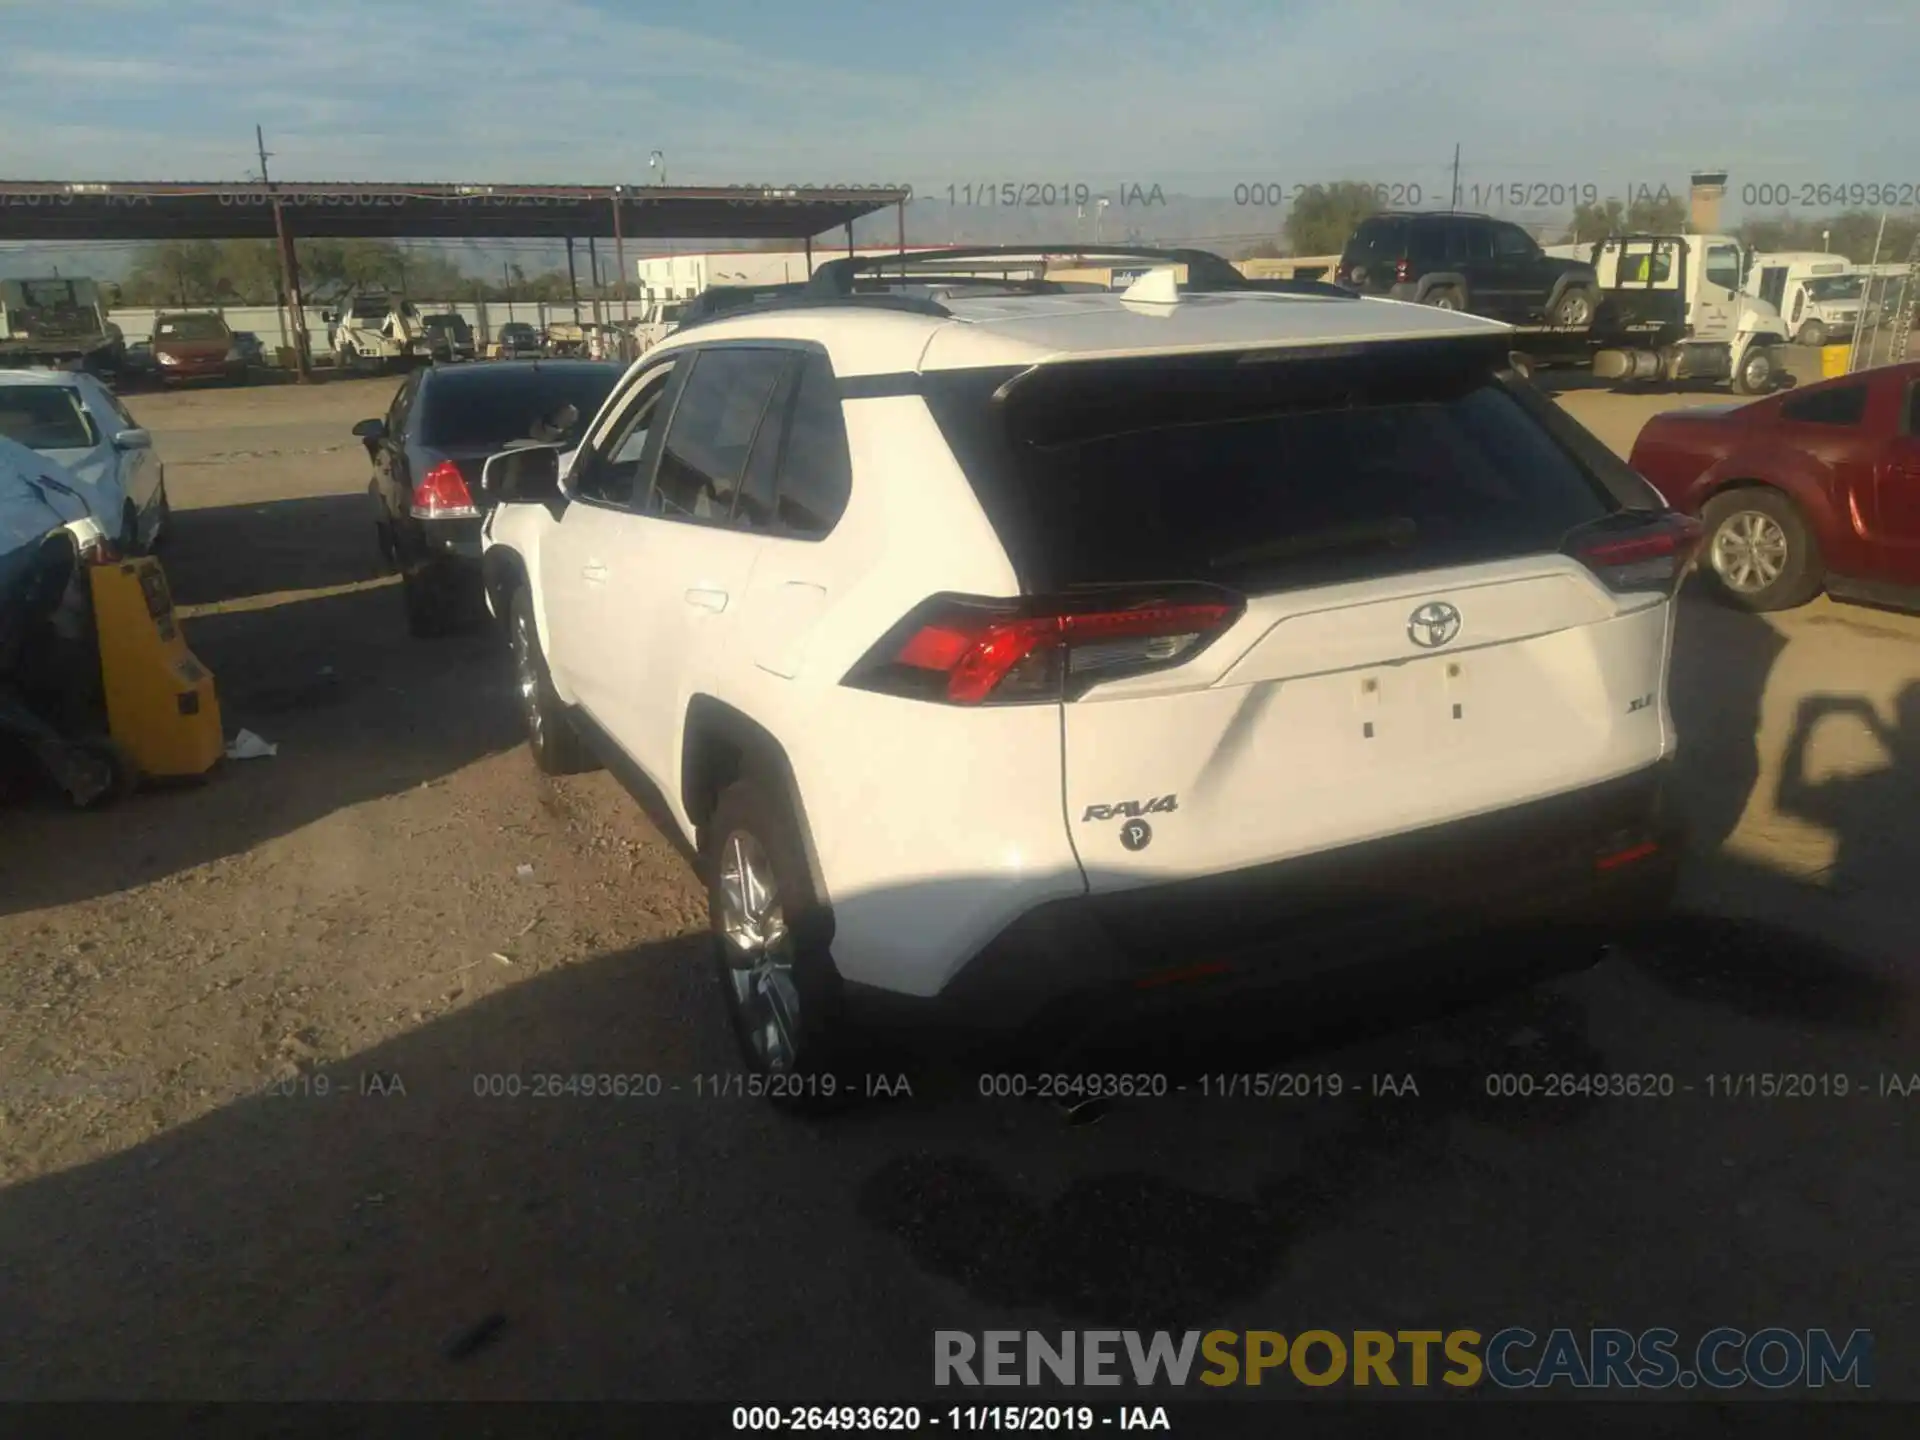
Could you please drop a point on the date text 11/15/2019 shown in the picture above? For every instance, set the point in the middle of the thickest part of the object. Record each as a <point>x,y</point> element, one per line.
<point>1046,194</point>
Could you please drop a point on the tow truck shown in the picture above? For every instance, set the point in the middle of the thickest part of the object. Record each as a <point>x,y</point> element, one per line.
<point>1671,307</point>
<point>376,330</point>
<point>57,321</point>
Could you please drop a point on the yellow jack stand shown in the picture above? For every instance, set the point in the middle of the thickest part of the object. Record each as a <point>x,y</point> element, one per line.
<point>162,710</point>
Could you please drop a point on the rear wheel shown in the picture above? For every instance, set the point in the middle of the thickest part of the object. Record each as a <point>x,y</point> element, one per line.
<point>551,739</point>
<point>1759,551</point>
<point>1446,297</point>
<point>1575,310</point>
<point>781,991</point>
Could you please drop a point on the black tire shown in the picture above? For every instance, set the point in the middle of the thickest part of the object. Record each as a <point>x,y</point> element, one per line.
<point>1445,297</point>
<point>1813,334</point>
<point>1757,373</point>
<point>1575,310</point>
<point>552,741</point>
<point>128,539</point>
<point>1757,524</point>
<point>808,1067</point>
<point>119,772</point>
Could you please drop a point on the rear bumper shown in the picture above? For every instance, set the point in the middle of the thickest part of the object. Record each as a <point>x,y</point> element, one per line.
<point>449,543</point>
<point>1559,877</point>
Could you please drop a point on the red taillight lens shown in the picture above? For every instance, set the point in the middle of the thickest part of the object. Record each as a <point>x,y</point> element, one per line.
<point>965,651</point>
<point>442,493</point>
<point>1640,554</point>
<point>1402,271</point>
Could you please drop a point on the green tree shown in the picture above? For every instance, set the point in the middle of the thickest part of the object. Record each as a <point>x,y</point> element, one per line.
<point>1647,215</point>
<point>1323,217</point>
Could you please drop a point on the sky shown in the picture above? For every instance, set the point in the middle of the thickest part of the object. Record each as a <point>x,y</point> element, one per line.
<point>1198,96</point>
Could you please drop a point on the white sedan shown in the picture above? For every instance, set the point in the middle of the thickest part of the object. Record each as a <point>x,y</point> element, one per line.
<point>74,420</point>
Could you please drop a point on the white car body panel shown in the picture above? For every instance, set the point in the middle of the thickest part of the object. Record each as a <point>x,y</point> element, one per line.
<point>935,826</point>
<point>109,477</point>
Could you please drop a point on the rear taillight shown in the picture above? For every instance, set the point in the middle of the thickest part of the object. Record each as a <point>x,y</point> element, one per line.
<point>961,650</point>
<point>442,494</point>
<point>1635,553</point>
<point>1402,271</point>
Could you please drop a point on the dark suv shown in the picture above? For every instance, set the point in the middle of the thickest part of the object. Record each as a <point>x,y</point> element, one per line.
<point>1468,262</point>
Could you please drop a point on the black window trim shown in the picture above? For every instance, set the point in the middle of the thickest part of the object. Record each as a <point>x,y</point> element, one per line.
<point>676,374</point>
<point>801,350</point>
<point>1910,409</point>
<point>647,509</point>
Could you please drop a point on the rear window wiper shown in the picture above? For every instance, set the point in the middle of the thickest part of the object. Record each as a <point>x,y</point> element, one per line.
<point>1397,534</point>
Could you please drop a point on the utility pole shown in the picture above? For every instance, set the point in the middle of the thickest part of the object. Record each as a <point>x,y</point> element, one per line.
<point>289,269</point>
<point>506,283</point>
<point>573,281</point>
<point>1454,202</point>
<point>620,260</point>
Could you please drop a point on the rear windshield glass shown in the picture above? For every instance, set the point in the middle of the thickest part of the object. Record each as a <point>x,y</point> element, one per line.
<point>190,327</point>
<point>45,417</point>
<point>488,407</point>
<point>1379,240</point>
<point>1264,477</point>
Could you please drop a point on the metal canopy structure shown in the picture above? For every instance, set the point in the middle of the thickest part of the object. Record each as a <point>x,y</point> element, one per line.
<point>46,210</point>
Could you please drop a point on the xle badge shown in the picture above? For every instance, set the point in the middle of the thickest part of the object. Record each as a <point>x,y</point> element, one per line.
<point>1136,834</point>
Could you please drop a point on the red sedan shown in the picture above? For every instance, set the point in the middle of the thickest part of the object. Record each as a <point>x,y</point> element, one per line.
<point>1814,489</point>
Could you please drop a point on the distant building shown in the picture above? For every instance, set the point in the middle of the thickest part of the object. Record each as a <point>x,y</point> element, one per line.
<point>1708,189</point>
<point>681,277</point>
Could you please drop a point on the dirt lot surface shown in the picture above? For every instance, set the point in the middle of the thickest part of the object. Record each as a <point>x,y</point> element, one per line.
<point>248,1027</point>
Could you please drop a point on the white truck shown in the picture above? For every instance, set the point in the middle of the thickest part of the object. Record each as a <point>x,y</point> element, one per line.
<point>1817,294</point>
<point>376,330</point>
<point>1674,307</point>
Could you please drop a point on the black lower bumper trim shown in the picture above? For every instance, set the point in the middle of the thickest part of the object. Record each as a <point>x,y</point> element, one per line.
<point>1522,886</point>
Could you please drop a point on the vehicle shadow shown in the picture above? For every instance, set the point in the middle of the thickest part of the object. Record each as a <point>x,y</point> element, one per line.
<point>417,1220</point>
<point>358,709</point>
<point>396,1223</point>
<point>1751,962</point>
<point>277,547</point>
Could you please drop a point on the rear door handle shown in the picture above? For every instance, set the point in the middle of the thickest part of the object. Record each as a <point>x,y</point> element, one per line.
<point>594,572</point>
<point>714,600</point>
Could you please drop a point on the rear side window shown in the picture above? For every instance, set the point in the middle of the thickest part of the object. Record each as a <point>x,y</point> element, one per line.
<point>1427,244</point>
<point>45,417</point>
<point>1843,405</point>
<point>816,472</point>
<point>1266,477</point>
<point>714,422</point>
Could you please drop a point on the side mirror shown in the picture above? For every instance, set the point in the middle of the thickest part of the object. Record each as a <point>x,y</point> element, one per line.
<point>132,440</point>
<point>369,430</point>
<point>526,474</point>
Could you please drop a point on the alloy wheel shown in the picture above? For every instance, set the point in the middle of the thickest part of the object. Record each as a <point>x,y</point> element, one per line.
<point>1749,551</point>
<point>758,952</point>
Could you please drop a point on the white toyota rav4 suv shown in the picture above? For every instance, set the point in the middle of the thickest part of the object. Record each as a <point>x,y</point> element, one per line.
<point>997,649</point>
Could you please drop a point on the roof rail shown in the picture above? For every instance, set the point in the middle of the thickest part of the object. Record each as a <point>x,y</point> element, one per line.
<point>1205,270</point>
<point>875,300</point>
